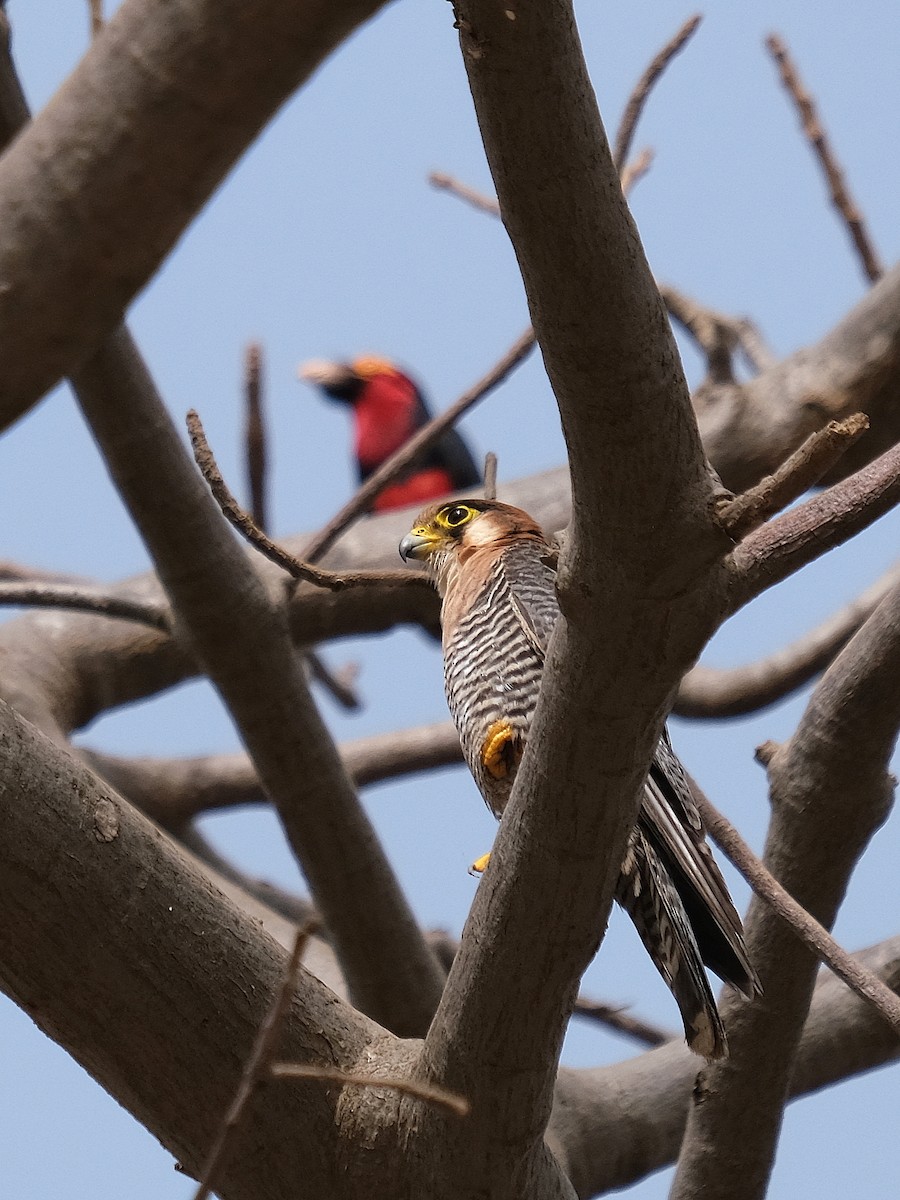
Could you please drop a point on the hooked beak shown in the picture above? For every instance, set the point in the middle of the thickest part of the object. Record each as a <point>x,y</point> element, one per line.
<point>417,544</point>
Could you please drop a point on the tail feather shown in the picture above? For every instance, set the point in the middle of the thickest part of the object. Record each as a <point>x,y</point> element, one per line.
<point>649,896</point>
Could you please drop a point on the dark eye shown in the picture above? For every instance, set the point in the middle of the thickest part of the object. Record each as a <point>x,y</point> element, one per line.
<point>456,516</point>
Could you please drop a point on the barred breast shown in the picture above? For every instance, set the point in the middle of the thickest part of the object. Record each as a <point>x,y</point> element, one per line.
<point>493,661</point>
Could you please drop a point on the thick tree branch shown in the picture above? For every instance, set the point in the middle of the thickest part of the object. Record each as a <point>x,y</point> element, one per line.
<point>611,359</point>
<point>74,854</point>
<point>243,641</point>
<point>830,791</point>
<point>97,191</point>
<point>613,1125</point>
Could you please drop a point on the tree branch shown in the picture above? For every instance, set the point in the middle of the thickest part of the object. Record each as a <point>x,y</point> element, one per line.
<point>711,692</point>
<point>830,791</point>
<point>614,1125</point>
<point>611,360</point>
<point>242,639</point>
<point>815,135</point>
<point>644,86</point>
<point>799,537</point>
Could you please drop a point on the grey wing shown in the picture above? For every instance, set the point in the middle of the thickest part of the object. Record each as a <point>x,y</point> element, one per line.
<point>531,580</point>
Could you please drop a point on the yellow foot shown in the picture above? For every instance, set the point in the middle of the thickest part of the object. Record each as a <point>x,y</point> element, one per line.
<point>501,750</point>
<point>480,864</point>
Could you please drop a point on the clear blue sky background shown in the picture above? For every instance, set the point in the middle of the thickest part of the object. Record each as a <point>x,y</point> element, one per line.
<point>326,240</point>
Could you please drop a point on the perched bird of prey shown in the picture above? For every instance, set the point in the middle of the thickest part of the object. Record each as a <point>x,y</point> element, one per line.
<point>496,574</point>
<point>388,408</point>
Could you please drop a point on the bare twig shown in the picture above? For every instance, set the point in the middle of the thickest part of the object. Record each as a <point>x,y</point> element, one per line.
<point>54,595</point>
<point>814,936</point>
<point>297,568</point>
<point>428,1092</point>
<point>635,170</point>
<point>446,183</point>
<point>96,15</point>
<point>621,1021</point>
<point>255,1070</point>
<point>644,86</point>
<point>409,451</point>
<point>255,434</point>
<point>815,135</point>
<point>490,476</point>
<point>796,475</point>
<point>339,683</point>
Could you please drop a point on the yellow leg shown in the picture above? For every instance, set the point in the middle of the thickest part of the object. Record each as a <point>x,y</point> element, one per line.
<point>479,865</point>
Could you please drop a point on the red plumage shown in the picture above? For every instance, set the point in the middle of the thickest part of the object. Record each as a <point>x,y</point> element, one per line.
<point>388,408</point>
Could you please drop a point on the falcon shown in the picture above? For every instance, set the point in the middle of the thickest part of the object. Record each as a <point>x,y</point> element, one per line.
<point>388,408</point>
<point>496,574</point>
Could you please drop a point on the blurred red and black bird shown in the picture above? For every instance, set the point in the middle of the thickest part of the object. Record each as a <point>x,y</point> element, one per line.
<point>388,408</point>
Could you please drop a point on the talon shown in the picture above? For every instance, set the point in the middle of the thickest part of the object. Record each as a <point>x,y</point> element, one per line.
<point>501,750</point>
<point>480,864</point>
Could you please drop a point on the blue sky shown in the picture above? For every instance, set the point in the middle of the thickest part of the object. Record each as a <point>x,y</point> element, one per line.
<point>327,241</point>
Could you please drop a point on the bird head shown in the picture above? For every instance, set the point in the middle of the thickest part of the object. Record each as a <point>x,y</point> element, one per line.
<point>345,380</point>
<point>445,535</point>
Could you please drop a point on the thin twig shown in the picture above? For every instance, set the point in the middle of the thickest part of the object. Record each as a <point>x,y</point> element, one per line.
<point>255,439</point>
<point>297,568</point>
<point>814,936</point>
<point>635,170</point>
<point>96,15</point>
<point>490,476</point>
<point>51,595</point>
<point>621,1021</point>
<point>644,86</point>
<point>339,683</point>
<point>411,450</point>
<point>446,183</point>
<point>796,475</point>
<point>431,1094</point>
<point>255,1070</point>
<point>815,135</point>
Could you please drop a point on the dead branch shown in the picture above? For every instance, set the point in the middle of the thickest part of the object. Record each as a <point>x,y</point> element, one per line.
<point>708,692</point>
<point>410,450</point>
<point>643,88</point>
<point>796,475</point>
<point>256,1068</point>
<point>95,8</point>
<point>834,176</point>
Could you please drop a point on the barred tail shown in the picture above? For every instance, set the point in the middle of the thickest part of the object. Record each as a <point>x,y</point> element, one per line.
<point>649,896</point>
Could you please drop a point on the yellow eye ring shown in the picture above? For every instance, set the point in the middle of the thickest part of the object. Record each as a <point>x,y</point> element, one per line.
<point>457,515</point>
